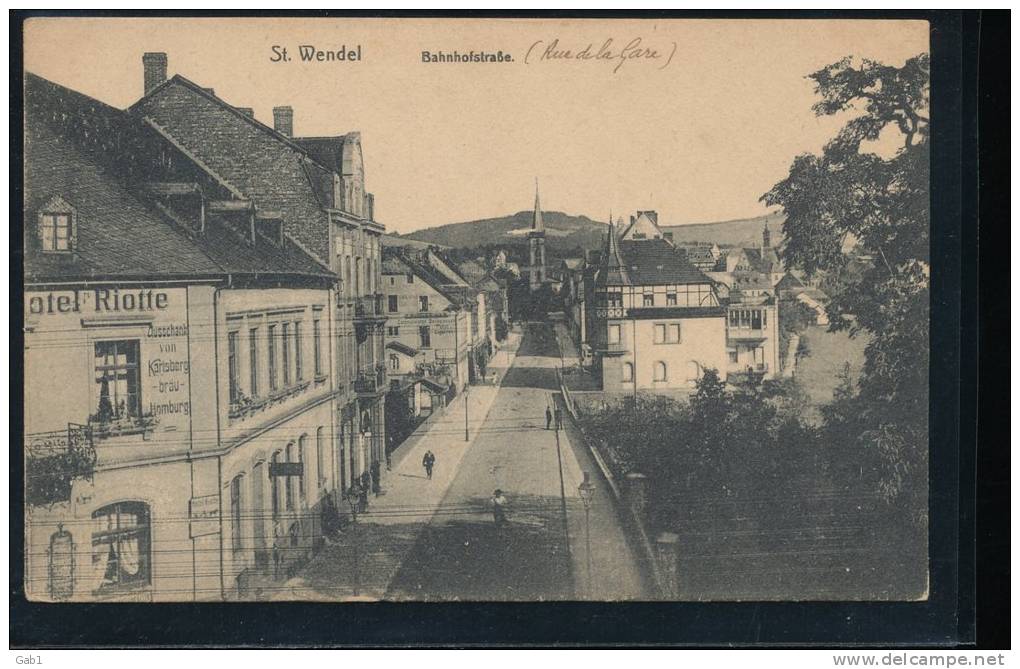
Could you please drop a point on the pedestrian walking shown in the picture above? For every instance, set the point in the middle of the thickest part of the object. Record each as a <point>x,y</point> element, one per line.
<point>376,478</point>
<point>363,487</point>
<point>498,508</point>
<point>548,417</point>
<point>428,461</point>
<point>558,413</point>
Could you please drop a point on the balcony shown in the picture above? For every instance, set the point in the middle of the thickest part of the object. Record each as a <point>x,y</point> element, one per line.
<point>371,381</point>
<point>53,460</point>
<point>369,307</point>
<point>746,334</point>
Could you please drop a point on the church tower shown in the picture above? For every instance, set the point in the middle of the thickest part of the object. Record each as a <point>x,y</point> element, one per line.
<point>766,237</point>
<point>536,247</point>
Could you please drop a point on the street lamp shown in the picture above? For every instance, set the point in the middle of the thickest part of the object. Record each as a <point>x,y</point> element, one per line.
<point>587,493</point>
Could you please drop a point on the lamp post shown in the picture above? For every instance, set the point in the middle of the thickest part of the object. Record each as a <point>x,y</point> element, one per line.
<point>587,493</point>
<point>466,413</point>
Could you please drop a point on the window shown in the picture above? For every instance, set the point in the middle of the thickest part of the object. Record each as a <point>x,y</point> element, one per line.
<point>320,456</point>
<point>55,231</point>
<point>285,346</point>
<point>423,303</point>
<point>275,485</point>
<point>614,334</point>
<point>693,372</point>
<point>410,278</point>
<point>667,333</point>
<point>733,356</point>
<point>118,379</point>
<point>235,515</point>
<point>392,303</point>
<point>756,319</point>
<point>253,362</point>
<point>628,371</point>
<point>347,275</point>
<point>120,545</point>
<point>357,276</point>
<point>317,345</point>
<point>660,371</point>
<point>425,336</point>
<point>232,376</point>
<point>670,299</point>
<point>271,342</point>
<point>734,319</point>
<point>393,331</point>
<point>648,300</point>
<point>301,450</point>
<point>299,373</point>
<point>288,482</point>
<point>394,362</point>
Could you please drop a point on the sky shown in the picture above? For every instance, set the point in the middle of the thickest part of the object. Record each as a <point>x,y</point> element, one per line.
<point>698,121</point>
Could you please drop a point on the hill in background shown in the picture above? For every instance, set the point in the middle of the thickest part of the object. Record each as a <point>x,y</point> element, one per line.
<point>565,232</point>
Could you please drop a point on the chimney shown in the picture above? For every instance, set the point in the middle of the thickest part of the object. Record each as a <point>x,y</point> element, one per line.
<point>247,111</point>
<point>154,66</point>
<point>283,120</point>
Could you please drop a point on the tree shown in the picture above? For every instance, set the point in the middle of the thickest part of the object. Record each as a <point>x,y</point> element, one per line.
<point>870,188</point>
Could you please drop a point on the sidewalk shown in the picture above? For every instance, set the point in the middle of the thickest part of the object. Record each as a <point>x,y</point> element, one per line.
<point>386,533</point>
<point>616,572</point>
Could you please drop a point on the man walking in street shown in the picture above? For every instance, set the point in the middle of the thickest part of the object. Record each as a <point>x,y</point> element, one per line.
<point>428,461</point>
<point>548,417</point>
<point>559,419</point>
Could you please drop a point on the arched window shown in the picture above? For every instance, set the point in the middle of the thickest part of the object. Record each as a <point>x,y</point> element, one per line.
<point>121,543</point>
<point>274,482</point>
<point>236,544</point>
<point>301,451</point>
<point>394,362</point>
<point>660,371</point>
<point>320,457</point>
<point>288,481</point>
<point>628,371</point>
<point>693,372</point>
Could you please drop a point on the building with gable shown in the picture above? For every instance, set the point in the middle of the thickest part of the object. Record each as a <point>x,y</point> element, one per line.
<point>311,189</point>
<point>181,386</point>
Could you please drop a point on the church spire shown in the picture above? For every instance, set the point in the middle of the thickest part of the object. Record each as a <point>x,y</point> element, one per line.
<point>613,272</point>
<point>765,237</point>
<point>536,222</point>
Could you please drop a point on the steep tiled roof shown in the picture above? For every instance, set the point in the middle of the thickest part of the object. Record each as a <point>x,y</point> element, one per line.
<point>117,234</point>
<point>655,261</point>
<point>264,165</point>
<point>119,231</point>
<point>405,261</point>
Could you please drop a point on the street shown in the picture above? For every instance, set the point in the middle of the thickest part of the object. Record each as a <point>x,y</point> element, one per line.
<point>436,540</point>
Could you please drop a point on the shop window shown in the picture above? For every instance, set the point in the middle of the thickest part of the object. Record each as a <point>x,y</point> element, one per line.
<point>274,485</point>
<point>236,543</point>
<point>118,381</point>
<point>121,546</point>
<point>288,482</point>
<point>320,457</point>
<point>301,451</point>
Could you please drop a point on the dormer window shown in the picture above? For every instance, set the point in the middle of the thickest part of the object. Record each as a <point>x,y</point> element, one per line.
<point>57,227</point>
